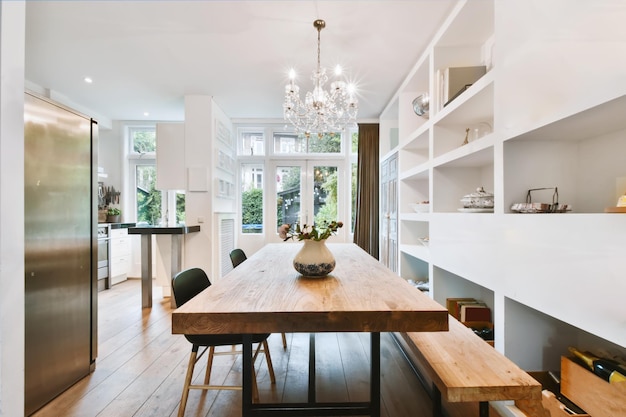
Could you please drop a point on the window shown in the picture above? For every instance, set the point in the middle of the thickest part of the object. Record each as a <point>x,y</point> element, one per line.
<point>354,153</point>
<point>151,206</point>
<point>142,140</point>
<point>251,142</point>
<point>251,198</point>
<point>308,179</point>
<point>293,143</point>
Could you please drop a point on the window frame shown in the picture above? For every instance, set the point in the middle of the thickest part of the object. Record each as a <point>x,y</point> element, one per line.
<point>345,158</point>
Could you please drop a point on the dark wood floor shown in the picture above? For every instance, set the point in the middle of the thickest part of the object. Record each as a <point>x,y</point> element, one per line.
<point>141,368</point>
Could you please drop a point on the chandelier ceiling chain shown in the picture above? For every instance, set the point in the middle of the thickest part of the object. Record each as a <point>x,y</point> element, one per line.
<point>321,111</point>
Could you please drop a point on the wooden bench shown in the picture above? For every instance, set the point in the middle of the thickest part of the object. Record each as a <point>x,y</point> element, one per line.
<point>463,368</point>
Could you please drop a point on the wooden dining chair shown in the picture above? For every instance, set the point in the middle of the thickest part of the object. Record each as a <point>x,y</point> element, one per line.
<point>237,256</point>
<point>186,285</point>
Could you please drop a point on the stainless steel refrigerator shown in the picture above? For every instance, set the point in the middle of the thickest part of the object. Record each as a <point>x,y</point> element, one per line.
<point>60,220</point>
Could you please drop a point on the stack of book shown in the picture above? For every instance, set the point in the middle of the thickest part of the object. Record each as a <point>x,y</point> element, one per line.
<point>473,313</point>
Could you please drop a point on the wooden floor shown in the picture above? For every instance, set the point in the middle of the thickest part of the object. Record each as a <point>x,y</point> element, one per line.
<point>141,367</point>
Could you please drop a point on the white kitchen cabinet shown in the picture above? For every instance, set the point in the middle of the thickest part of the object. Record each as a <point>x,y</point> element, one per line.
<point>551,280</point>
<point>121,255</point>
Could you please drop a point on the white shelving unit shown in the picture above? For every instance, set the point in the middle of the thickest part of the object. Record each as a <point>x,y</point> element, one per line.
<point>552,280</point>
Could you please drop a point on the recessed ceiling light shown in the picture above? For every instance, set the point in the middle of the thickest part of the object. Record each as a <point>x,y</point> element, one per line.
<point>88,80</point>
<point>146,114</point>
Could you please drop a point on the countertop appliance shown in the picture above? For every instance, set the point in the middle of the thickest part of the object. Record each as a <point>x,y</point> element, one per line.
<point>60,226</point>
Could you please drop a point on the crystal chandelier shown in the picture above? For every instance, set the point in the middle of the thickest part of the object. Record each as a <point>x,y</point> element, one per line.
<point>321,111</point>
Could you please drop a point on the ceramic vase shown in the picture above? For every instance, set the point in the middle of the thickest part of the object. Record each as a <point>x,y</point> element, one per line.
<point>314,259</point>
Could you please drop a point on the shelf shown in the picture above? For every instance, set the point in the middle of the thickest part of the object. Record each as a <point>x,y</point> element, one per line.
<point>593,122</point>
<point>532,270</point>
<point>417,251</point>
<point>585,162</point>
<point>451,285</point>
<point>419,172</point>
<point>476,103</point>
<point>527,329</point>
<point>416,151</point>
<point>413,266</point>
<point>414,217</point>
<point>472,108</point>
<point>473,154</point>
<point>461,176</point>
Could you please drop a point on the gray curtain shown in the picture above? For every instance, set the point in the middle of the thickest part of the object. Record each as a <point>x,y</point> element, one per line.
<point>367,210</point>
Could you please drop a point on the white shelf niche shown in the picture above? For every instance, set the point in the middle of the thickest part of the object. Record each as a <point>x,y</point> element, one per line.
<point>472,109</point>
<point>449,285</point>
<point>466,40</point>
<point>582,155</point>
<point>462,176</point>
<point>413,190</point>
<point>413,267</point>
<point>416,151</point>
<point>526,331</point>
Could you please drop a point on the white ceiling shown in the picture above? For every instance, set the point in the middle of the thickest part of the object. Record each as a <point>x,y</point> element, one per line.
<point>146,56</point>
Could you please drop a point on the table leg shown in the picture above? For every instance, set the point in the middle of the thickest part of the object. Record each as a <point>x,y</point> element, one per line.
<point>375,375</point>
<point>311,391</point>
<point>246,394</point>
<point>146,271</point>
<point>311,407</point>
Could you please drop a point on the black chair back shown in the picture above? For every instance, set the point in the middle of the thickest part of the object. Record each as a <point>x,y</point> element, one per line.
<point>237,256</point>
<point>189,283</point>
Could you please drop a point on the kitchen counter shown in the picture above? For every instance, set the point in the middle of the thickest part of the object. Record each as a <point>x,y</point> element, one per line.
<point>122,225</point>
<point>146,232</point>
<point>163,230</point>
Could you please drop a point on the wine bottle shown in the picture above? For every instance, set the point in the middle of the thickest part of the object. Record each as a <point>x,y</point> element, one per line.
<point>607,369</point>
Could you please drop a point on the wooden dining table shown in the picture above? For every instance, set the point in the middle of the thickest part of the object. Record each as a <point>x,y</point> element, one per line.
<point>266,295</point>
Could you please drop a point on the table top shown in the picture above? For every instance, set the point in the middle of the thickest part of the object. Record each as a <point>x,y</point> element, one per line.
<point>163,230</point>
<point>266,295</point>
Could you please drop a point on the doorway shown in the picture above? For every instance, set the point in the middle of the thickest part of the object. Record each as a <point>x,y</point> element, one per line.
<point>307,191</point>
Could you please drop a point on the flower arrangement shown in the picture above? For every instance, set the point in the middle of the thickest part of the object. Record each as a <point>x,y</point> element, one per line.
<point>322,232</point>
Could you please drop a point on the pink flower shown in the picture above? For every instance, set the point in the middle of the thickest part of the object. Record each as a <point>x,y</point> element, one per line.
<point>283,230</point>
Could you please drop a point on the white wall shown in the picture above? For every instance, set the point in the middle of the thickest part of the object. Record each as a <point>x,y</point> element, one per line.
<point>12,29</point>
<point>557,57</point>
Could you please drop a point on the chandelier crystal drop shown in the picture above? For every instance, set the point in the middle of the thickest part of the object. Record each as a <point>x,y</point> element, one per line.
<point>322,111</point>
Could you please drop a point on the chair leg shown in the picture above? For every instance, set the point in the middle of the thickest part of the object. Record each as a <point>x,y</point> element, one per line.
<point>255,387</point>
<point>209,365</point>
<point>268,358</point>
<point>188,378</point>
<point>284,341</point>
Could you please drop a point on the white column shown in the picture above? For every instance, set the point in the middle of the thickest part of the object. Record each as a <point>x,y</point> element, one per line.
<point>12,39</point>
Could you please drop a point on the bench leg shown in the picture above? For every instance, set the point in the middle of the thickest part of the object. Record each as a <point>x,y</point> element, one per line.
<point>436,397</point>
<point>483,409</point>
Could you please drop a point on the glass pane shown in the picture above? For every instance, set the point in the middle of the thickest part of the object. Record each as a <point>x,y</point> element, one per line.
<point>325,194</point>
<point>252,143</point>
<point>287,195</point>
<point>285,143</point>
<point>148,197</point>
<point>252,198</point>
<point>143,140</point>
<point>355,142</point>
<point>327,143</point>
<point>180,207</point>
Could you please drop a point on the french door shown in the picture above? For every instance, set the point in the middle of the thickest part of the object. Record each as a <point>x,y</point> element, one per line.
<point>308,192</point>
